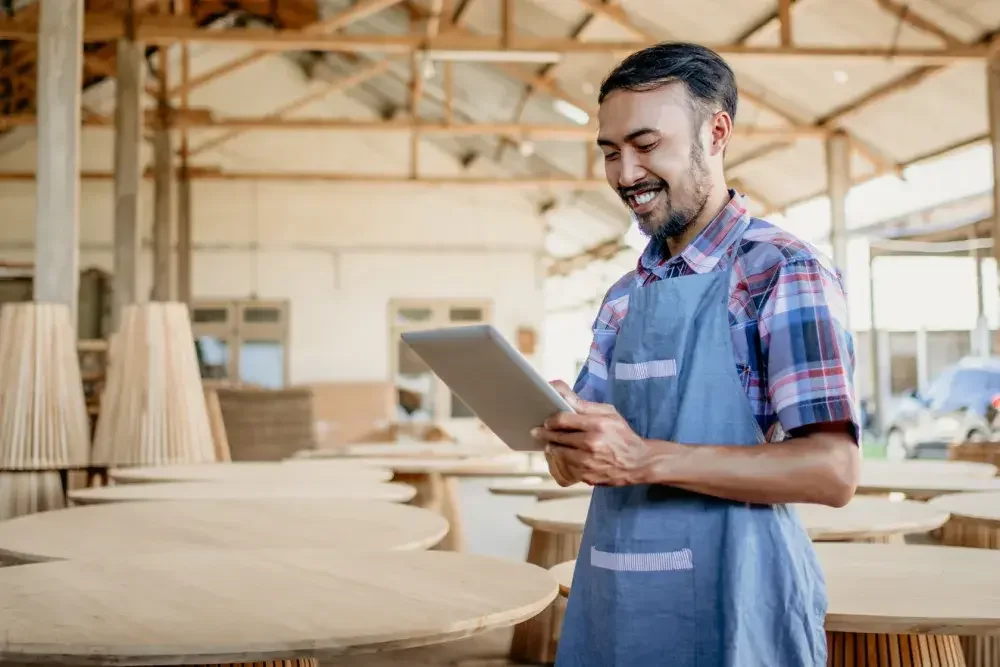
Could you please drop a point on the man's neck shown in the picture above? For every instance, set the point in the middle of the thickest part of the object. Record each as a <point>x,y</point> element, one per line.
<point>717,200</point>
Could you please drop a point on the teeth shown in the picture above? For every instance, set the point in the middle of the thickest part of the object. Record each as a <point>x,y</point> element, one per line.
<point>644,198</point>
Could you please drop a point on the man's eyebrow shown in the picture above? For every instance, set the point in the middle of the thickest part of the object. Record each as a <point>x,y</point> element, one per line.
<point>635,134</point>
<point>631,136</point>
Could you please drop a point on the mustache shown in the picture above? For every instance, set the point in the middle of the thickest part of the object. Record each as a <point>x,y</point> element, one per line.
<point>642,187</point>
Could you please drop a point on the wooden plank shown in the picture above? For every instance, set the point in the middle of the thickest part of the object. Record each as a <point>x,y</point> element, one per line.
<point>838,183</point>
<point>60,73</point>
<point>993,111</point>
<point>785,21</point>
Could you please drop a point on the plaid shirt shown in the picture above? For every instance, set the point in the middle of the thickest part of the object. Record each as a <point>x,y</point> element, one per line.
<point>787,314</point>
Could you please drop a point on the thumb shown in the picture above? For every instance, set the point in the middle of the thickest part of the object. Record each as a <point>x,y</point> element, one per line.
<point>580,405</point>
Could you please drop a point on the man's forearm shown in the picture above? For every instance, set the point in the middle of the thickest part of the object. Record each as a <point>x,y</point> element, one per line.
<point>822,468</point>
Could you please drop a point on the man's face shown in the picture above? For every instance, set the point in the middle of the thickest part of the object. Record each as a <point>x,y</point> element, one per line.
<point>654,159</point>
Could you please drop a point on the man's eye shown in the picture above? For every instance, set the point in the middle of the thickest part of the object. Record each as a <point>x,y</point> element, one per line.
<point>646,148</point>
<point>608,157</point>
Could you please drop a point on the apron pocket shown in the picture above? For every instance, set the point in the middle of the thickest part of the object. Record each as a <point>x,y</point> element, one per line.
<point>646,370</point>
<point>650,585</point>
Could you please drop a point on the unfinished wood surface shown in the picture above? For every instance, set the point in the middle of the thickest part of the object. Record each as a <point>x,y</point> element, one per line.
<point>285,488</point>
<point>900,597</point>
<point>872,519</point>
<point>464,467</point>
<point>980,452</point>
<point>192,608</point>
<point>439,494</point>
<point>153,411</point>
<point>260,471</point>
<point>26,492</point>
<point>106,532</point>
<point>974,522</point>
<point>926,481</point>
<point>43,414</point>
<point>546,489</point>
<point>396,450</point>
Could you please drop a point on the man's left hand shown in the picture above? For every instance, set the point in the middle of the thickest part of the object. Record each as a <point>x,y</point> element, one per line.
<point>595,444</point>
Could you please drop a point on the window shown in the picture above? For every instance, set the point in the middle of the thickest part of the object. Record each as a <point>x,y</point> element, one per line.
<point>242,341</point>
<point>421,395</point>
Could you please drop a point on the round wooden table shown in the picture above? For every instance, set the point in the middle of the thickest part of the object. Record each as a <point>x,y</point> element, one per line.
<point>974,522</point>
<point>916,467</point>
<point>298,605</point>
<point>444,450</point>
<point>251,470</point>
<point>291,487</point>
<point>922,482</point>
<point>435,480</point>
<point>545,489</point>
<point>898,605</point>
<point>108,531</point>
<point>557,528</point>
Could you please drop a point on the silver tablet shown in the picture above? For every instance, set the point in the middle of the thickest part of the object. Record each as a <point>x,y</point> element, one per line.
<point>492,378</point>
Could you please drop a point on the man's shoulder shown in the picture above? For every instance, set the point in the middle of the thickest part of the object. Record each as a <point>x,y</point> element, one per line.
<point>619,289</point>
<point>767,248</point>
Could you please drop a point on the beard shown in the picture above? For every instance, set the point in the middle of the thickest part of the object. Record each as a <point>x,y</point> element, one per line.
<point>668,222</point>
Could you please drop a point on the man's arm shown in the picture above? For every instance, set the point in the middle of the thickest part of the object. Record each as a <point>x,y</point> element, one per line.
<point>810,366</point>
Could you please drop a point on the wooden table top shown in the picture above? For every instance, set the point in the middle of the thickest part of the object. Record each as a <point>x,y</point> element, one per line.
<point>250,470</point>
<point>915,466</point>
<point>454,467</point>
<point>245,606</point>
<point>108,531</point>
<point>544,489</point>
<point>447,450</point>
<point>983,507</point>
<point>863,517</point>
<point>900,588</point>
<point>291,487</point>
<point>920,484</point>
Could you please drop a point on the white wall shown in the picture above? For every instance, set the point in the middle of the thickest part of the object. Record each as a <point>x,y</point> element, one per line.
<point>338,251</point>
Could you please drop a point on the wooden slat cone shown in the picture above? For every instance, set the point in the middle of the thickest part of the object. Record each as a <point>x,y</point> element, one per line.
<point>43,415</point>
<point>26,492</point>
<point>153,409</point>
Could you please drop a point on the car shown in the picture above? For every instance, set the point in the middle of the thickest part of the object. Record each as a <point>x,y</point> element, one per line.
<point>961,404</point>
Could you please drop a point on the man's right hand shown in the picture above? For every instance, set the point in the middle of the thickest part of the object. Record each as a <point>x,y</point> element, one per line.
<point>557,467</point>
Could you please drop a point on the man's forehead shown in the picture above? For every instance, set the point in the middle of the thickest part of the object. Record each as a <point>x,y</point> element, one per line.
<point>624,110</point>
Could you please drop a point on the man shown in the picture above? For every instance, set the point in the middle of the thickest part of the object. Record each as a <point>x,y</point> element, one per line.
<point>718,390</point>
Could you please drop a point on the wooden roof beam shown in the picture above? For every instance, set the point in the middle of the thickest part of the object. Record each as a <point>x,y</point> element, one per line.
<point>356,12</point>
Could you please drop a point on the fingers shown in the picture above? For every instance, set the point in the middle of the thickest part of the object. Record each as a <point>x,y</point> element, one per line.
<point>573,421</point>
<point>575,439</point>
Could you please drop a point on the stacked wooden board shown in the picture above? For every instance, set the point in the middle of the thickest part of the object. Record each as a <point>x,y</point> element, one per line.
<point>154,409</point>
<point>43,417</point>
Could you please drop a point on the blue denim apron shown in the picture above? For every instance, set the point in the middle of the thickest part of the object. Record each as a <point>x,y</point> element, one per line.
<point>674,578</point>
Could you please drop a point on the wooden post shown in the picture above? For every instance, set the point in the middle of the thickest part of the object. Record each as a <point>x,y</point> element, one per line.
<point>163,283</point>
<point>993,105</point>
<point>838,179</point>
<point>57,230</point>
<point>184,213</point>
<point>130,59</point>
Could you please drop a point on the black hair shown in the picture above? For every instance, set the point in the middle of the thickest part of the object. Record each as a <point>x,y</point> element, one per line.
<point>709,79</point>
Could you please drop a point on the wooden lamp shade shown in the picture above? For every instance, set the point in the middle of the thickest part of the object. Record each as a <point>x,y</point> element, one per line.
<point>153,410</point>
<point>43,416</point>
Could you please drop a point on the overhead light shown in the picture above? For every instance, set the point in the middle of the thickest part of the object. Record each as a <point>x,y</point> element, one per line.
<point>840,76</point>
<point>526,148</point>
<point>571,111</point>
<point>498,56</point>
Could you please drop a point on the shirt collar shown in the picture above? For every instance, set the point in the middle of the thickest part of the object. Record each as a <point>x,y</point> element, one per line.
<point>704,252</point>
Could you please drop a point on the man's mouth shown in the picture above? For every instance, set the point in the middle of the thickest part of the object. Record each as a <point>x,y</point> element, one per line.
<point>641,202</point>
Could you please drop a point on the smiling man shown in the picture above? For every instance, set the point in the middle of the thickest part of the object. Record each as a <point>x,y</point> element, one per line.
<point>719,389</point>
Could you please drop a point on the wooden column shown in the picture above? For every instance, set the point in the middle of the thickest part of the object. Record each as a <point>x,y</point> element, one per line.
<point>128,174</point>
<point>60,70</point>
<point>993,110</point>
<point>838,180</point>
<point>163,237</point>
<point>184,213</point>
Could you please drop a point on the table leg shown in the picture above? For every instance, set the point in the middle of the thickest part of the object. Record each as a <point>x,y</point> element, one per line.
<point>848,649</point>
<point>980,651</point>
<point>536,639</point>
<point>438,494</point>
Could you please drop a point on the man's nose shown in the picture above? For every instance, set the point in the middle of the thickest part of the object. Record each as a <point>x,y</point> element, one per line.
<point>631,171</point>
